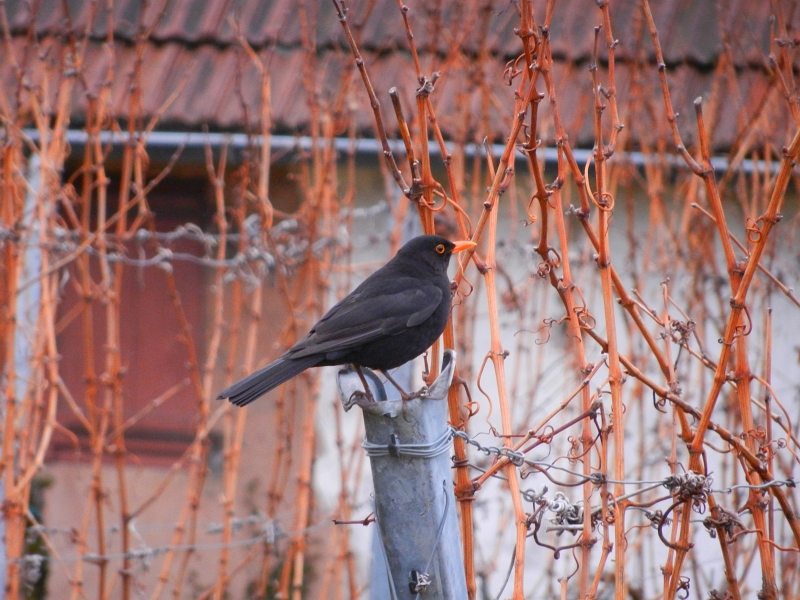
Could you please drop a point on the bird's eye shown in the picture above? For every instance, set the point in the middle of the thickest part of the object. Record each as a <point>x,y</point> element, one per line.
<point>440,249</point>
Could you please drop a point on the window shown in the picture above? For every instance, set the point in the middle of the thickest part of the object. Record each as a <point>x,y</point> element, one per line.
<point>153,356</point>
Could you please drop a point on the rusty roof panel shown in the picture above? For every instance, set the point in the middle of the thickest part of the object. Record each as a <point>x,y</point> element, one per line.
<point>222,88</point>
<point>197,73</point>
<point>690,30</point>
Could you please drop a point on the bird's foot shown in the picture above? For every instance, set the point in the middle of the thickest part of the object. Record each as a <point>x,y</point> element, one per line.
<point>360,398</point>
<point>366,395</point>
<point>420,393</point>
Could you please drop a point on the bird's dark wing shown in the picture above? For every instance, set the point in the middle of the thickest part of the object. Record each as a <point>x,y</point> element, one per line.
<point>361,318</point>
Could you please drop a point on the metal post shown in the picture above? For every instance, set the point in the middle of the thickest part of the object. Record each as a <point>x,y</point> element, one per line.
<point>408,443</point>
<point>27,312</point>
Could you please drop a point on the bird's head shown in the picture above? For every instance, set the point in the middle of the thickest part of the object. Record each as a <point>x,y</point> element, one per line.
<point>431,250</point>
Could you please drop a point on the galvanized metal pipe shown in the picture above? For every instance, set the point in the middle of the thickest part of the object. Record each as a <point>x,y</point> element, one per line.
<point>408,443</point>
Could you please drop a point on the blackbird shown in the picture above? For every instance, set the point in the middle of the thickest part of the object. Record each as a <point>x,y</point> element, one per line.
<point>396,314</point>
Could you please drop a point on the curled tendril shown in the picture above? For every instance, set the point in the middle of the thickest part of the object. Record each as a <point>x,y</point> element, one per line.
<point>759,433</point>
<point>556,260</point>
<point>690,486</point>
<point>533,497</point>
<point>585,319</point>
<point>460,294</point>
<point>439,191</point>
<point>605,203</point>
<point>656,518</point>
<point>510,72</point>
<point>683,588</point>
<point>664,520</point>
<point>682,330</point>
<point>743,329</point>
<point>722,519</point>
<point>473,408</point>
<point>529,209</point>
<point>574,447</point>
<point>659,402</point>
<point>543,269</point>
<point>753,230</point>
<point>547,325</point>
<point>547,435</point>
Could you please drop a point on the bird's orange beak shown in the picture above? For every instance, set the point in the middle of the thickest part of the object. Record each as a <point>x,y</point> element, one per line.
<point>459,246</point>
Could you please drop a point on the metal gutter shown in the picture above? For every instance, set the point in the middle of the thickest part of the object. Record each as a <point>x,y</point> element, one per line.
<point>175,139</point>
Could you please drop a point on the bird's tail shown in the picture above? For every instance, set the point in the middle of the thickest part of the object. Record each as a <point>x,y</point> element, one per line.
<point>251,387</point>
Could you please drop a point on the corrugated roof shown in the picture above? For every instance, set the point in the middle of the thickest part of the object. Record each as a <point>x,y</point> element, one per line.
<point>691,30</point>
<point>192,48</point>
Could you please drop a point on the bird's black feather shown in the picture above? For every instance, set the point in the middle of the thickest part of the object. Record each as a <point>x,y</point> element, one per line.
<point>259,383</point>
<point>390,313</point>
<point>396,314</point>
